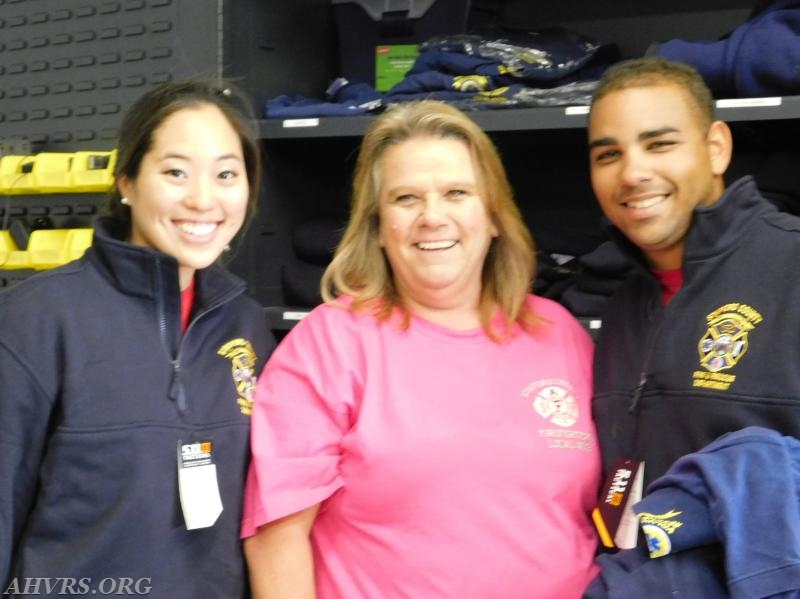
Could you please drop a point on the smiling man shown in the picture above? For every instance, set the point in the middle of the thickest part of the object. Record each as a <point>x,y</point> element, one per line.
<point>655,157</point>
<point>703,337</point>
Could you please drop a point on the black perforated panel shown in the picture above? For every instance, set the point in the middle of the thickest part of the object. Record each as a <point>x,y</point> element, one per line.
<point>70,68</point>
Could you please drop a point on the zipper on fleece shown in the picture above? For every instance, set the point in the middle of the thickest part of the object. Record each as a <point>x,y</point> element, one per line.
<point>176,391</point>
<point>637,392</point>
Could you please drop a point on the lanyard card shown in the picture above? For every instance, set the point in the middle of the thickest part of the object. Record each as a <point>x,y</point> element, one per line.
<point>197,484</point>
<point>614,517</point>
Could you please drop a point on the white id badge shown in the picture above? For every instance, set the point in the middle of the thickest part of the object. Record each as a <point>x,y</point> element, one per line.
<point>197,484</point>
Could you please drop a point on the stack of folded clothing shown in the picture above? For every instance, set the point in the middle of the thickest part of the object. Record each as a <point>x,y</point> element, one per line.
<point>758,58</point>
<point>593,278</point>
<point>537,68</point>
<point>772,164</point>
<point>549,67</point>
<point>554,273</point>
<point>342,98</point>
<point>313,243</point>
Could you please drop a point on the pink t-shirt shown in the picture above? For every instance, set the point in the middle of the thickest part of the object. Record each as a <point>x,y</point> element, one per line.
<point>447,465</point>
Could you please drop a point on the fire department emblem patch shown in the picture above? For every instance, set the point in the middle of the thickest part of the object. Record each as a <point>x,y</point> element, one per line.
<point>724,343</point>
<point>243,369</point>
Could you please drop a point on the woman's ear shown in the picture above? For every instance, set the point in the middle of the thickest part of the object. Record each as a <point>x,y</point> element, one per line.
<point>123,185</point>
<point>720,147</point>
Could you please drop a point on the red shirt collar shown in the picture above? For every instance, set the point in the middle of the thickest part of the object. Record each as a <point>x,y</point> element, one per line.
<point>671,282</point>
<point>187,301</point>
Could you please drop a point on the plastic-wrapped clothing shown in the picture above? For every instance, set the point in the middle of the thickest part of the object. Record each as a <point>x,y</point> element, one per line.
<point>545,57</point>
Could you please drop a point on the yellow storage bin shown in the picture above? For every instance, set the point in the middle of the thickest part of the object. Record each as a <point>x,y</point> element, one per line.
<point>11,257</point>
<point>51,172</point>
<point>47,248</point>
<point>93,171</point>
<point>58,172</point>
<point>7,246</point>
<point>16,174</point>
<point>78,241</point>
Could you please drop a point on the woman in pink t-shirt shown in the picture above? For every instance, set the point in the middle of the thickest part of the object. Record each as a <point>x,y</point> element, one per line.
<point>427,432</point>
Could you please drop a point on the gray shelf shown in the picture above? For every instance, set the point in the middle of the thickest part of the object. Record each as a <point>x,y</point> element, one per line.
<point>523,119</point>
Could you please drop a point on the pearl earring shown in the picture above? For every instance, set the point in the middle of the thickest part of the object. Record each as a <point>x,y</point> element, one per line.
<point>124,201</point>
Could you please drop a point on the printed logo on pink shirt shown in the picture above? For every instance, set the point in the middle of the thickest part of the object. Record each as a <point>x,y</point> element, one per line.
<point>553,400</point>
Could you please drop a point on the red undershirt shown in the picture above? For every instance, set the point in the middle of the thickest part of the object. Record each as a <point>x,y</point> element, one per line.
<point>187,301</point>
<point>671,281</point>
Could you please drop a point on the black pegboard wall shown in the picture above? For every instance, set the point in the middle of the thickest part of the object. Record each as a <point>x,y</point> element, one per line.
<point>70,68</point>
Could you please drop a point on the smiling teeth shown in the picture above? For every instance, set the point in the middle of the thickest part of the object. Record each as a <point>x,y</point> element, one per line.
<point>198,229</point>
<point>645,203</point>
<point>436,245</point>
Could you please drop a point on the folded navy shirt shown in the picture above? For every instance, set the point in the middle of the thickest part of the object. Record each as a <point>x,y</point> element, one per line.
<point>758,58</point>
<point>738,499</point>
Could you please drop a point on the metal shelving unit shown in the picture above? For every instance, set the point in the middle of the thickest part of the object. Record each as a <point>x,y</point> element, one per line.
<point>524,119</point>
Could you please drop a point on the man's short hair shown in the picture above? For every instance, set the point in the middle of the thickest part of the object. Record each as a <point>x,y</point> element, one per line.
<point>652,71</point>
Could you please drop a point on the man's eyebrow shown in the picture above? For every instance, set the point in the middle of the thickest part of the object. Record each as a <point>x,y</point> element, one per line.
<point>644,136</point>
<point>656,133</point>
<point>602,142</point>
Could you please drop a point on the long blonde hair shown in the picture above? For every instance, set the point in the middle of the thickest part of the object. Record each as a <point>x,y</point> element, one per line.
<point>360,269</point>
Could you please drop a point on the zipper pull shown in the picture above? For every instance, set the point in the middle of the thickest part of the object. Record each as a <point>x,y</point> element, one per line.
<point>637,393</point>
<point>176,392</point>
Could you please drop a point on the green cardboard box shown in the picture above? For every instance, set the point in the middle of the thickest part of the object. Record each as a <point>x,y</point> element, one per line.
<point>392,62</point>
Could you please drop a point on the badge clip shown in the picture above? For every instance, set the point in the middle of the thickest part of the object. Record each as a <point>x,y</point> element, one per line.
<point>614,518</point>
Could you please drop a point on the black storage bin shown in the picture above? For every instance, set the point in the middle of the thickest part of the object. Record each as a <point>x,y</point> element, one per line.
<point>364,25</point>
